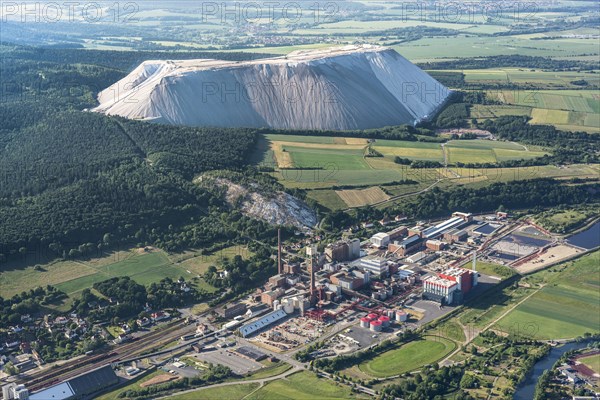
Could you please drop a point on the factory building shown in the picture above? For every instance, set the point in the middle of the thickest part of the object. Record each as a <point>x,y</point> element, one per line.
<point>270,296</point>
<point>467,217</point>
<point>377,266</point>
<point>439,289</point>
<point>466,278</point>
<point>344,250</point>
<point>277,281</point>
<point>455,235</point>
<point>397,233</point>
<point>438,230</point>
<point>380,240</point>
<point>406,246</point>
<point>349,280</point>
<point>416,231</point>
<point>449,286</point>
<point>435,245</point>
<point>232,311</point>
<point>291,268</point>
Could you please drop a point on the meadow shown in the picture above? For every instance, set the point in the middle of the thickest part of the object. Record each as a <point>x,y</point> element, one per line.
<point>555,312</point>
<point>303,385</point>
<point>143,267</point>
<point>408,357</point>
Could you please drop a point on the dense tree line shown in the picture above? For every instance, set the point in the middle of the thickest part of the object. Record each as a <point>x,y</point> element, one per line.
<point>398,132</point>
<point>515,60</point>
<point>119,59</point>
<point>515,195</point>
<point>567,147</point>
<point>453,116</point>
<point>451,79</point>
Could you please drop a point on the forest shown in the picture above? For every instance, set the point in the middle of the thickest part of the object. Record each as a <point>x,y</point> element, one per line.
<point>129,179</point>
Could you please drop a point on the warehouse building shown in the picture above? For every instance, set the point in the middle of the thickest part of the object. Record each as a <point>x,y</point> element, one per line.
<point>82,386</point>
<point>255,326</point>
<point>380,240</point>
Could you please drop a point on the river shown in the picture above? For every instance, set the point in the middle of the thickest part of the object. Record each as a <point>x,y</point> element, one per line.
<point>526,389</point>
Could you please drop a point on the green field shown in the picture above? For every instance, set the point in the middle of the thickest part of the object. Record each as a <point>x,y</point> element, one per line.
<point>492,269</point>
<point>413,150</point>
<point>354,171</point>
<point>408,357</point>
<point>322,162</point>
<point>306,158</point>
<point>230,392</point>
<point>555,312</point>
<point>303,385</point>
<point>565,109</point>
<point>145,268</point>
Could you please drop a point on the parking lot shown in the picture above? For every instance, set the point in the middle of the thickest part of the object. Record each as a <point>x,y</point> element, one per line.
<point>238,364</point>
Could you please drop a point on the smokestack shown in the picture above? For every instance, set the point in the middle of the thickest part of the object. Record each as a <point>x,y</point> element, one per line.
<point>312,250</point>
<point>279,251</point>
<point>475,261</point>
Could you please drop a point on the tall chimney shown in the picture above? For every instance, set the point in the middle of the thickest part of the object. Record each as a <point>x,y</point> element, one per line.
<point>279,251</point>
<point>312,251</point>
<point>475,260</point>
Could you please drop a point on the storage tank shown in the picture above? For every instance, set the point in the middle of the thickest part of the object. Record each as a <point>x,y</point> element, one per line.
<point>288,306</point>
<point>376,326</point>
<point>372,316</point>
<point>365,322</point>
<point>276,305</point>
<point>390,313</point>
<point>385,320</point>
<point>401,316</point>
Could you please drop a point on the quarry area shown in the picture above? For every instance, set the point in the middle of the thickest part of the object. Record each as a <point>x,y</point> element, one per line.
<point>350,87</point>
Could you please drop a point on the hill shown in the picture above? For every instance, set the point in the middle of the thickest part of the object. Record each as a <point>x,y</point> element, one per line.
<point>352,87</point>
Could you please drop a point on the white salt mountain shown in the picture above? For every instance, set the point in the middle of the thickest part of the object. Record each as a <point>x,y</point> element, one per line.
<point>352,87</point>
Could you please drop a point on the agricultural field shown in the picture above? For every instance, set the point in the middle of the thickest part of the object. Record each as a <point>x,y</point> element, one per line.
<point>323,184</point>
<point>565,109</point>
<point>542,79</point>
<point>322,162</point>
<point>303,385</point>
<point>555,311</point>
<point>362,197</point>
<point>408,357</point>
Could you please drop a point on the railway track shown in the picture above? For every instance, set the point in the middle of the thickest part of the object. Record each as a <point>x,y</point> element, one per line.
<point>85,364</point>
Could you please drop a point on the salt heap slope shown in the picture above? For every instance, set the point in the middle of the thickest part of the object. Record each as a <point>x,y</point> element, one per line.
<point>353,87</point>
